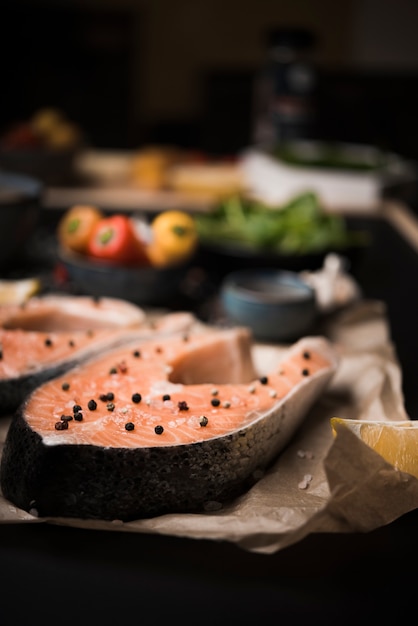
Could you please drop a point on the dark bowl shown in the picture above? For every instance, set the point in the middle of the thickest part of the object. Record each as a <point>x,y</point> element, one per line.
<point>141,285</point>
<point>277,305</point>
<point>224,258</point>
<point>52,167</point>
<point>227,257</point>
<point>20,208</point>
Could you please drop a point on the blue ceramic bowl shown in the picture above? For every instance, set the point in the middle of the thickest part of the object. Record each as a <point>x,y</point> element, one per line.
<point>277,305</point>
<point>140,285</point>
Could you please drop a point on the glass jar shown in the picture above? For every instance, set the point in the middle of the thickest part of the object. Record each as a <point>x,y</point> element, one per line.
<point>284,89</point>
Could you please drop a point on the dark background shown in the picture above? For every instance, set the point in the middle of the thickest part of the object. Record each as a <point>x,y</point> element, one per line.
<point>181,72</point>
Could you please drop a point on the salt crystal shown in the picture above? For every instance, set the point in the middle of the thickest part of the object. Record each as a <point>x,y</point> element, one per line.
<point>305,454</point>
<point>307,479</point>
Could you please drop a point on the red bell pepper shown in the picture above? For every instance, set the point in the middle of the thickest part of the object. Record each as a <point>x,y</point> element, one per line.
<point>114,239</point>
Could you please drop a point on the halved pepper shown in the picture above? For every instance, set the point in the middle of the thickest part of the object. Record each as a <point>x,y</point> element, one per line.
<point>76,226</point>
<point>114,239</point>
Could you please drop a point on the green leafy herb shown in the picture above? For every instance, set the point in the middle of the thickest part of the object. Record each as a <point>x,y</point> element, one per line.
<point>299,227</point>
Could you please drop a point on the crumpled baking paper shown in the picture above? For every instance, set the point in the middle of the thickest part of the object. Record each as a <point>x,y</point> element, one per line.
<point>320,483</point>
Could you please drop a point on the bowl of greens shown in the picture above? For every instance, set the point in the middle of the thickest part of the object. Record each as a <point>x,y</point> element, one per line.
<point>245,232</point>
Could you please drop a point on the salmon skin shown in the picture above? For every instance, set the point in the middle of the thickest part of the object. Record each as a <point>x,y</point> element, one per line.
<point>50,334</point>
<point>167,426</point>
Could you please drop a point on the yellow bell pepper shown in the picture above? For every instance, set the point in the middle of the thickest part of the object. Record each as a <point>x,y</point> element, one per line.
<point>173,238</point>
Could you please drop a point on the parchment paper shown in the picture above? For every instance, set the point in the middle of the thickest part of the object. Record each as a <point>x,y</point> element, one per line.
<point>319,483</point>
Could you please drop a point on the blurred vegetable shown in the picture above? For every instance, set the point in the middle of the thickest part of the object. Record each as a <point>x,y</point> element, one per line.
<point>299,227</point>
<point>114,239</point>
<point>76,227</point>
<point>48,128</point>
<point>174,238</point>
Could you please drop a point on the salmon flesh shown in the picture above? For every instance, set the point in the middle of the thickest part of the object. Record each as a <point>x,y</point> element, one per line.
<point>167,425</point>
<point>47,335</point>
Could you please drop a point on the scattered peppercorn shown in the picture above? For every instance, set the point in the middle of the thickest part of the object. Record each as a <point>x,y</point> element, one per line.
<point>166,396</point>
<point>203,420</point>
<point>305,372</point>
<point>66,418</point>
<point>1,354</point>
<point>78,417</point>
<point>65,386</point>
<point>110,406</point>
<point>71,343</point>
<point>107,397</point>
<point>136,354</point>
<point>182,405</point>
<point>306,355</point>
<point>136,397</point>
<point>263,380</point>
<point>76,408</point>
<point>48,342</point>
<point>129,426</point>
<point>113,370</point>
<point>159,430</point>
<point>61,425</point>
<point>92,404</point>
<point>215,402</point>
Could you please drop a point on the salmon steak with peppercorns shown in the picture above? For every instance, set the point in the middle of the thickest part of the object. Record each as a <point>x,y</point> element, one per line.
<point>48,334</point>
<point>158,427</point>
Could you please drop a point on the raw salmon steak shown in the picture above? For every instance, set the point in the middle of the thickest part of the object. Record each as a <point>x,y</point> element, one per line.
<point>50,334</point>
<point>167,425</point>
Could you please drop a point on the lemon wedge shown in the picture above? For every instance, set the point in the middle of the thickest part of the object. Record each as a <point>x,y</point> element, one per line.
<point>18,291</point>
<point>396,442</point>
